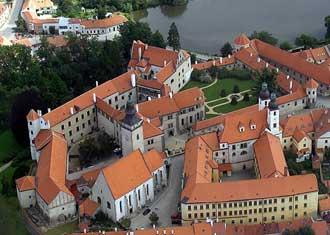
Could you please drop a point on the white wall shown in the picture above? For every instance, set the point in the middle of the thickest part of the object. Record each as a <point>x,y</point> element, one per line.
<point>26,198</point>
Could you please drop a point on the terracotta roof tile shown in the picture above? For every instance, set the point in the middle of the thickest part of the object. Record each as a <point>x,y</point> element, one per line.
<point>153,159</point>
<point>150,130</point>
<point>242,40</point>
<point>88,208</point>
<point>32,115</point>
<point>104,23</point>
<point>26,183</point>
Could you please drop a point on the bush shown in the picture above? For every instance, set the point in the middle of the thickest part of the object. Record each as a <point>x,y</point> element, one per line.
<point>233,100</point>
<point>153,218</point>
<point>246,97</point>
<point>236,89</point>
<point>126,223</point>
<point>223,93</point>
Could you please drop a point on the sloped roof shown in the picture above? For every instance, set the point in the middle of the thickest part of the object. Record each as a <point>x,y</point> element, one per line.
<point>153,159</point>
<point>26,183</point>
<point>242,40</point>
<point>104,23</point>
<point>88,208</point>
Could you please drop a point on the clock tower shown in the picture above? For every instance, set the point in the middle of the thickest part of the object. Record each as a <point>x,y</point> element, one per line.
<point>131,130</point>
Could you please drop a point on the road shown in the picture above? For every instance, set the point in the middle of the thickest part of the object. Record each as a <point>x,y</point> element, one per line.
<point>166,203</point>
<point>7,29</point>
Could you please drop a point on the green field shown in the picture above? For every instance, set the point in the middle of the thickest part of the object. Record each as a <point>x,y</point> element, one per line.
<point>191,84</point>
<point>10,219</point>
<point>229,107</point>
<point>8,145</point>
<point>213,92</point>
<point>221,101</point>
<point>63,229</point>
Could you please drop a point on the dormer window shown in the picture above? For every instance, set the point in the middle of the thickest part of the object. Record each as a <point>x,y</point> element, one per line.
<point>253,126</point>
<point>241,129</point>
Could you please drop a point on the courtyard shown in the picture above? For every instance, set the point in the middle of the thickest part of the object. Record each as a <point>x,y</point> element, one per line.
<point>220,92</point>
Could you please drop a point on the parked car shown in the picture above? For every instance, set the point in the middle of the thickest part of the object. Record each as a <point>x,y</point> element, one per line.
<point>176,218</point>
<point>146,211</point>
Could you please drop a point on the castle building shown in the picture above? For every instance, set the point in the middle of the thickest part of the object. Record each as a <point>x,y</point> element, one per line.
<point>129,184</point>
<point>162,66</point>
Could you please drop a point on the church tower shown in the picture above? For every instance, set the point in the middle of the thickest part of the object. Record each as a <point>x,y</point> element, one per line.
<point>131,130</point>
<point>264,96</point>
<point>273,116</point>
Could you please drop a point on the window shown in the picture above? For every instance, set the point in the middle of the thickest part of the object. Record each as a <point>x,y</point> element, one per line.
<point>120,207</point>
<point>139,195</point>
<point>108,205</point>
<point>99,200</point>
<point>137,136</point>
<point>62,127</point>
<point>189,208</point>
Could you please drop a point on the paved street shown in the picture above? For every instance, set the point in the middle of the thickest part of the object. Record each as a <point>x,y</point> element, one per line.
<point>8,29</point>
<point>166,203</point>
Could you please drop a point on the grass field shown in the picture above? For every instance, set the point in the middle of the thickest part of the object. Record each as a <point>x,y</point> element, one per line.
<point>213,92</point>
<point>229,107</point>
<point>10,220</point>
<point>8,144</point>
<point>221,101</point>
<point>63,229</point>
<point>191,84</point>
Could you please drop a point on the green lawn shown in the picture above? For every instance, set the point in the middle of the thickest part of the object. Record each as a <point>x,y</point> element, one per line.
<point>64,229</point>
<point>208,116</point>
<point>221,101</point>
<point>213,92</point>
<point>8,145</point>
<point>229,107</point>
<point>11,221</point>
<point>191,84</point>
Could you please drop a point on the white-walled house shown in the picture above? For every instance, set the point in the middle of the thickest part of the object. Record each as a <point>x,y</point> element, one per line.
<point>26,191</point>
<point>128,184</point>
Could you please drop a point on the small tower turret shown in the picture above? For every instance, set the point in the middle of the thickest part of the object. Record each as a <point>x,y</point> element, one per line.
<point>131,130</point>
<point>273,116</point>
<point>311,90</point>
<point>264,96</point>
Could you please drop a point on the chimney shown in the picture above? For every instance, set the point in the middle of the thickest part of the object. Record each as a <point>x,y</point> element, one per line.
<point>286,171</point>
<point>277,70</point>
<point>48,110</point>
<point>171,94</point>
<point>153,226</point>
<point>103,232</point>
<point>165,63</point>
<point>213,62</point>
<point>158,96</point>
<point>133,80</point>
<point>287,76</point>
<point>96,83</point>
<point>195,61</point>
<point>137,107</point>
<point>39,113</point>
<point>48,123</point>
<point>148,120</point>
<point>229,56</point>
<point>146,47</point>
<point>164,232</point>
<point>71,110</point>
<point>258,60</point>
<point>220,60</point>
<point>85,231</point>
<point>266,65</point>
<point>290,87</point>
<point>94,98</point>
<point>140,53</point>
<point>116,229</point>
<point>149,98</point>
<point>172,231</point>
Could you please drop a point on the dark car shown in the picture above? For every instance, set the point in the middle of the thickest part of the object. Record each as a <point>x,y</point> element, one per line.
<point>146,211</point>
<point>176,218</point>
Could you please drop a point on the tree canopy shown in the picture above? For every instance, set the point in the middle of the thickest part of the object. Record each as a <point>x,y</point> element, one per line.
<point>265,37</point>
<point>173,38</point>
<point>306,41</point>
<point>226,49</point>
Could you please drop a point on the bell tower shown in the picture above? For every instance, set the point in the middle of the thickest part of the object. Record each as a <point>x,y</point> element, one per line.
<point>131,130</point>
<point>264,96</point>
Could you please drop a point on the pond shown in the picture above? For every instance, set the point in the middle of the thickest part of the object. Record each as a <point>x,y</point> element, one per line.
<point>205,25</point>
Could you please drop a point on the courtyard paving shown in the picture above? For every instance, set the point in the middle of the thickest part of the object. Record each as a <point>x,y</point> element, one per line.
<point>166,203</point>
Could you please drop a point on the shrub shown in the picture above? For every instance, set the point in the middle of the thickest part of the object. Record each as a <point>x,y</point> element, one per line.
<point>153,218</point>
<point>126,223</point>
<point>233,100</point>
<point>246,97</point>
<point>236,89</point>
<point>223,93</point>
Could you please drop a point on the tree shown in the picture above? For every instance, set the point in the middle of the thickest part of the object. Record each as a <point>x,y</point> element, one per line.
<point>20,25</point>
<point>286,45</point>
<point>101,11</point>
<point>173,38</point>
<point>193,58</point>
<point>246,97</point>
<point>23,103</point>
<point>158,40</point>
<point>236,89</point>
<point>233,100</point>
<point>327,25</point>
<point>223,93</point>
<point>196,75</point>
<point>306,41</point>
<point>213,71</point>
<point>153,218</point>
<point>88,151</point>
<point>226,49</point>
<point>268,76</point>
<point>265,37</point>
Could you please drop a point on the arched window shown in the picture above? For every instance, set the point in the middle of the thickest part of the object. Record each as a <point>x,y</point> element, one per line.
<point>99,200</point>
<point>234,154</point>
<point>243,152</point>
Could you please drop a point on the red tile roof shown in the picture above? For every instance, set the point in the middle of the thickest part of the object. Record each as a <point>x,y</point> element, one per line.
<point>26,183</point>
<point>104,23</point>
<point>88,208</point>
<point>242,40</point>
